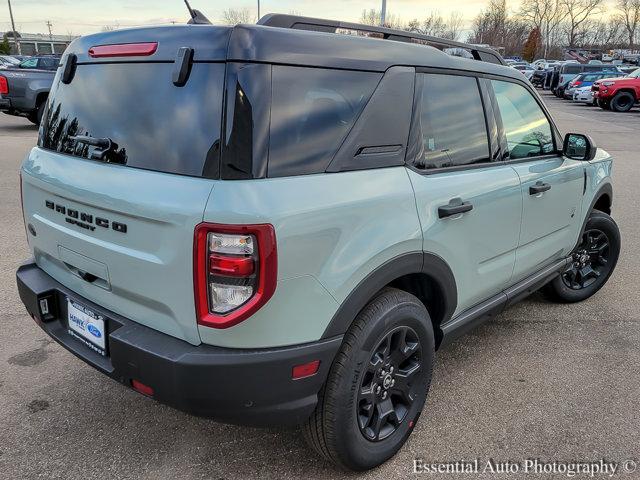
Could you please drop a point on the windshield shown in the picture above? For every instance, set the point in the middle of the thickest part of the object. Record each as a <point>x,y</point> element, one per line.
<point>635,74</point>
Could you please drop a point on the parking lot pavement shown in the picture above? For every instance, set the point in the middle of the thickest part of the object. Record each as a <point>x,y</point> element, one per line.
<point>555,382</point>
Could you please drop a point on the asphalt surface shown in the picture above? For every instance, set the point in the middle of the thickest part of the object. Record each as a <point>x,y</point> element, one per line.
<point>554,382</point>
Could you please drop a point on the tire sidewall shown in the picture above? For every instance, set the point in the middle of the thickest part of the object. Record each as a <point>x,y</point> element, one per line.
<point>614,102</point>
<point>361,453</point>
<point>606,224</point>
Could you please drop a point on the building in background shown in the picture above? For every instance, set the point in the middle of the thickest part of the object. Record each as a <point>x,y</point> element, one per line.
<point>38,43</point>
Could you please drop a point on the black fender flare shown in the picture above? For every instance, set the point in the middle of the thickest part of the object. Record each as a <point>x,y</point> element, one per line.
<point>429,264</point>
<point>606,189</point>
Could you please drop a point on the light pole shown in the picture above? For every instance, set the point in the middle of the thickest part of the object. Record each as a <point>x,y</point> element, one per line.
<point>383,13</point>
<point>258,9</point>
<point>13,26</point>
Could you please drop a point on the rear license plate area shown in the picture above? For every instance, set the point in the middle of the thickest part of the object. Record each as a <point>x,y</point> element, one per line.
<point>87,327</point>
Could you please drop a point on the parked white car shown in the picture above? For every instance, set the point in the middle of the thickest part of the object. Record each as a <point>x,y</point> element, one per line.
<point>526,69</point>
<point>584,95</point>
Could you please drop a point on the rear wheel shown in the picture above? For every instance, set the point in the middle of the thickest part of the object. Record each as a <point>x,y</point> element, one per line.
<point>593,261</point>
<point>377,384</point>
<point>622,102</point>
<point>36,117</point>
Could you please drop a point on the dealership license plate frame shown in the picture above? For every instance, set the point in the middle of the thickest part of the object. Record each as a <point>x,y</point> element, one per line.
<point>86,326</point>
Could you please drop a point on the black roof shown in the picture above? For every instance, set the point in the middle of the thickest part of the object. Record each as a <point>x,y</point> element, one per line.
<point>293,45</point>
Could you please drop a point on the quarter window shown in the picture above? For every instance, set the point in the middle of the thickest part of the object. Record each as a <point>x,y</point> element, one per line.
<point>526,126</point>
<point>449,127</point>
<point>312,111</point>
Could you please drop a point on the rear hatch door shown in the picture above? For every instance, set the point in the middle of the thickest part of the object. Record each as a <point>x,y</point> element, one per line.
<point>117,228</point>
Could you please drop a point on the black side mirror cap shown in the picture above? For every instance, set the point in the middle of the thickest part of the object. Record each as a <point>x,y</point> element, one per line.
<point>579,147</point>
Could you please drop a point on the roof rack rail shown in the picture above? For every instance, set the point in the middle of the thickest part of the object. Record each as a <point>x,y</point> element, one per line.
<point>332,26</point>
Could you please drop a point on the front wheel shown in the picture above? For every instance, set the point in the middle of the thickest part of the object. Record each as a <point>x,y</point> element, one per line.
<point>622,102</point>
<point>604,104</point>
<point>592,261</point>
<point>377,384</point>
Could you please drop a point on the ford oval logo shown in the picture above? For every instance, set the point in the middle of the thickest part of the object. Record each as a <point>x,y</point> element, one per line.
<point>93,330</point>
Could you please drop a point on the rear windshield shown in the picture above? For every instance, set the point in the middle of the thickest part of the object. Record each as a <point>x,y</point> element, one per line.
<point>151,123</point>
<point>572,69</point>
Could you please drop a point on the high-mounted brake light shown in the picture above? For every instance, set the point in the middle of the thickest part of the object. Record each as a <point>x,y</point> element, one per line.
<point>235,271</point>
<point>4,85</point>
<point>124,50</point>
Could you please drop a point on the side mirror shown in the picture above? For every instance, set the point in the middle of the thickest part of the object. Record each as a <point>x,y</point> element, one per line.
<point>579,147</point>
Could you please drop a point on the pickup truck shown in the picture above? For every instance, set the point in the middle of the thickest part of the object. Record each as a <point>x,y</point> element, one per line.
<point>24,89</point>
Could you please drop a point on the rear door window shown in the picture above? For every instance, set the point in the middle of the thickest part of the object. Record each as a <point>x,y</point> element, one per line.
<point>312,111</point>
<point>526,127</point>
<point>449,126</point>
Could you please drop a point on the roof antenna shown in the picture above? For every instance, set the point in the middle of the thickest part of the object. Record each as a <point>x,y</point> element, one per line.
<point>196,16</point>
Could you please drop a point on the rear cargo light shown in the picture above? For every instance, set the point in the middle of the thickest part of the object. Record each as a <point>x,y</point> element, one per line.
<point>235,271</point>
<point>124,50</point>
<point>142,388</point>
<point>4,86</point>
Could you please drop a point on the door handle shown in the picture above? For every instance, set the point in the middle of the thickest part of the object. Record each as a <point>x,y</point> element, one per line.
<point>454,207</point>
<point>539,187</point>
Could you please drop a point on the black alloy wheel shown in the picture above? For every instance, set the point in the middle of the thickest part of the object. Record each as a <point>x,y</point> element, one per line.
<point>591,263</point>
<point>590,260</point>
<point>387,389</point>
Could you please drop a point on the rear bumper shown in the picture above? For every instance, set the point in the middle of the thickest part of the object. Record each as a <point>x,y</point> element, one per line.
<point>248,387</point>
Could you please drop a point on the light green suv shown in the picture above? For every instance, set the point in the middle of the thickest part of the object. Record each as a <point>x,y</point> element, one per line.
<point>278,224</point>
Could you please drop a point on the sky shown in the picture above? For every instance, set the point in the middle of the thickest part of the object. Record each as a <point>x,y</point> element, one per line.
<point>77,17</point>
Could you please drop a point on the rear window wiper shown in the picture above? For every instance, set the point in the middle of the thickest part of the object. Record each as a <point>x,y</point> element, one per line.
<point>106,149</point>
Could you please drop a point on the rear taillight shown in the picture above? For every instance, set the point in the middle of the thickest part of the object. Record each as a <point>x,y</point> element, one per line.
<point>576,84</point>
<point>4,86</point>
<point>235,271</point>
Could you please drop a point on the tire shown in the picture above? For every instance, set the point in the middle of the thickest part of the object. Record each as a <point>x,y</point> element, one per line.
<point>604,104</point>
<point>36,117</point>
<point>566,287</point>
<point>340,429</point>
<point>622,102</point>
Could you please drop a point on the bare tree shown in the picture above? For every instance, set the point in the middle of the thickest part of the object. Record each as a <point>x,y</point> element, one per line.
<point>578,12</point>
<point>497,28</point>
<point>629,16</point>
<point>455,25</point>
<point>603,34</point>
<point>489,24</point>
<point>372,17</point>
<point>547,16</point>
<point>234,16</point>
<point>434,25</point>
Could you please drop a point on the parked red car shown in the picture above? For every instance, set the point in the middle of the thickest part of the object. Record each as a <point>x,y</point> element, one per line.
<point>618,94</point>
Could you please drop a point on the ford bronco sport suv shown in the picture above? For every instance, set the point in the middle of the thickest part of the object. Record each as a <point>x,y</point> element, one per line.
<point>279,223</point>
